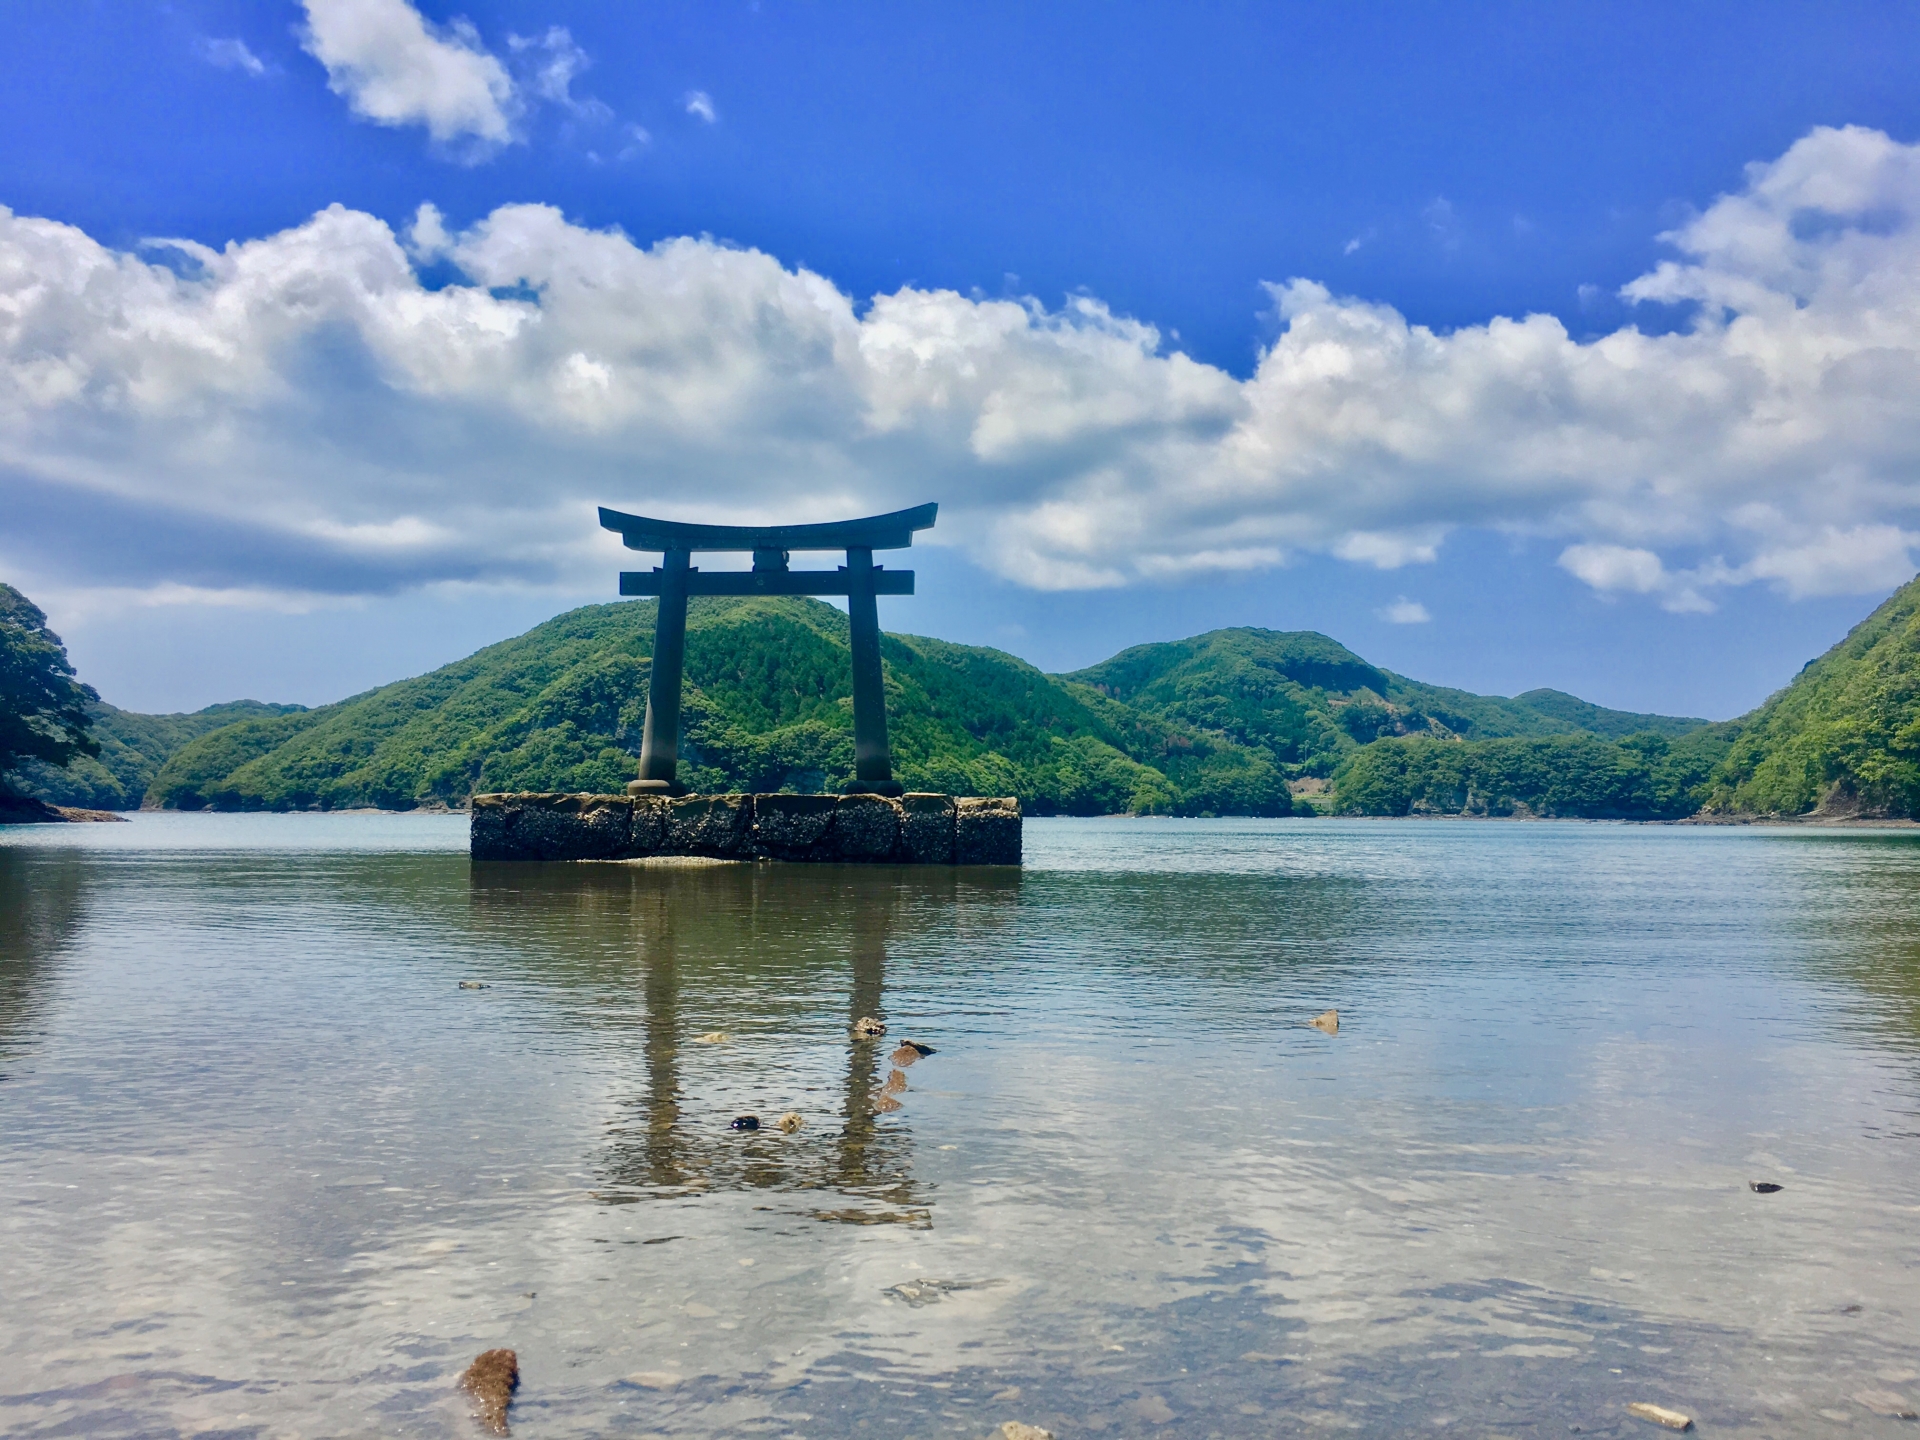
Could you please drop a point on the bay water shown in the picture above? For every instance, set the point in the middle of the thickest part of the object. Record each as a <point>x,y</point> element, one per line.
<point>267,1169</point>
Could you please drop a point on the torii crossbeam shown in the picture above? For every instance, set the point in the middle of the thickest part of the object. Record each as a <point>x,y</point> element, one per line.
<point>860,580</point>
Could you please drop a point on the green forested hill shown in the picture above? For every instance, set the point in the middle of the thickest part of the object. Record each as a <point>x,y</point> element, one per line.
<point>767,706</point>
<point>1844,737</point>
<point>133,747</point>
<point>1308,701</point>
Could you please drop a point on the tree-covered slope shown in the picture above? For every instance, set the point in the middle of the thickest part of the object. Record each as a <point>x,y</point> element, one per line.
<point>1573,776</point>
<point>1844,736</point>
<point>133,747</point>
<point>767,707</point>
<point>1307,701</point>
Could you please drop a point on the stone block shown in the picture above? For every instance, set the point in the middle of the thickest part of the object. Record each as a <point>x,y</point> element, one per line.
<point>718,825</point>
<point>793,827</point>
<point>554,827</point>
<point>647,832</point>
<point>926,829</point>
<point>865,827</point>
<point>986,831</point>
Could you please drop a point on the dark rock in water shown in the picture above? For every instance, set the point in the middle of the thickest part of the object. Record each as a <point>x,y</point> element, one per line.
<point>475,985</point>
<point>910,1051</point>
<point>744,1122</point>
<point>1764,1187</point>
<point>491,1380</point>
<point>868,1028</point>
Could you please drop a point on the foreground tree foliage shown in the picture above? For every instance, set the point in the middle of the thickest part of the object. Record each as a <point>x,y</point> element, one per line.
<point>43,708</point>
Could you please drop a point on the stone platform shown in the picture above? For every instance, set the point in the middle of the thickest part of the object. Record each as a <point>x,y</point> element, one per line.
<point>841,829</point>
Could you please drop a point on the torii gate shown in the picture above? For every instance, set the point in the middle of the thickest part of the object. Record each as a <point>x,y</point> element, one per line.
<point>860,580</point>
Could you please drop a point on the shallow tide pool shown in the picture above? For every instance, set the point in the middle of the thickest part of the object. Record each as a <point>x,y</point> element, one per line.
<point>267,1169</point>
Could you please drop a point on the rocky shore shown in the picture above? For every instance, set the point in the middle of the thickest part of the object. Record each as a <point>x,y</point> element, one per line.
<point>20,810</point>
<point>860,829</point>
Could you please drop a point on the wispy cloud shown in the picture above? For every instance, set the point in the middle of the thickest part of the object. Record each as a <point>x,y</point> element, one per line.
<point>700,105</point>
<point>394,68</point>
<point>229,53</point>
<point>1404,612</point>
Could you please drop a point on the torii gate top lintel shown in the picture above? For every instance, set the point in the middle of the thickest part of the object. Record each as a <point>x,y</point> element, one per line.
<point>875,532</point>
<point>860,580</point>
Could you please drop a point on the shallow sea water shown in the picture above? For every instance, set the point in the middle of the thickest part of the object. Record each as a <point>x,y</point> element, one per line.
<point>265,1169</point>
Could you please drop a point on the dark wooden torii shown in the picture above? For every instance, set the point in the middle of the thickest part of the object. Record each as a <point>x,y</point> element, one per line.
<point>860,580</point>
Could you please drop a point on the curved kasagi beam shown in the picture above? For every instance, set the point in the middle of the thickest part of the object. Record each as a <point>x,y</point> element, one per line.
<point>875,532</point>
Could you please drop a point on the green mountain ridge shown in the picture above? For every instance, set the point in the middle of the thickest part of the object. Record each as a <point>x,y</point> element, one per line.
<point>133,747</point>
<point>1218,724</point>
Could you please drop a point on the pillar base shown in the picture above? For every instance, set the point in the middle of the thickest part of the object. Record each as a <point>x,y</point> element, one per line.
<point>892,789</point>
<point>656,787</point>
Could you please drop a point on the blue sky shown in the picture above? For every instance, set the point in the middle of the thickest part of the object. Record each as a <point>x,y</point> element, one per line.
<point>1188,315</point>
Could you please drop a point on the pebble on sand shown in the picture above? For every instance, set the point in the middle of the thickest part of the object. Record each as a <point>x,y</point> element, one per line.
<point>491,1380</point>
<point>1015,1430</point>
<point>1660,1415</point>
<point>1885,1402</point>
<point>910,1051</point>
<point>868,1028</point>
<point>790,1122</point>
<point>1329,1022</point>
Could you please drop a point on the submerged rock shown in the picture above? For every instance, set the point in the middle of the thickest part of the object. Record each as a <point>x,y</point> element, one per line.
<point>910,1051</point>
<point>868,1028</point>
<point>896,1082</point>
<point>790,1122</point>
<point>475,985</point>
<point>1019,1430</point>
<point>491,1380</point>
<point>1764,1187</point>
<point>714,1037</point>
<point>1660,1415</point>
<point>744,1122</point>
<point>1329,1022</point>
<point>1885,1402</point>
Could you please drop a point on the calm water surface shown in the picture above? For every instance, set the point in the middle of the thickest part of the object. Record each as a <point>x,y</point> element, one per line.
<point>265,1169</point>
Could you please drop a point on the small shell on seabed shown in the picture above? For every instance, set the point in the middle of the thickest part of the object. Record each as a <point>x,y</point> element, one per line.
<point>491,1380</point>
<point>910,1051</point>
<point>1764,1187</point>
<point>791,1121</point>
<point>1660,1415</point>
<point>1329,1022</point>
<point>713,1037</point>
<point>868,1028</point>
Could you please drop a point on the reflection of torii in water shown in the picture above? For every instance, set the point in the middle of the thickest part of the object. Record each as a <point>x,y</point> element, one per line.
<point>867,1158</point>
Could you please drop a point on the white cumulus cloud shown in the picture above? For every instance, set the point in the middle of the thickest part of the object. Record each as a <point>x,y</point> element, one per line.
<point>299,411</point>
<point>700,106</point>
<point>394,68</point>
